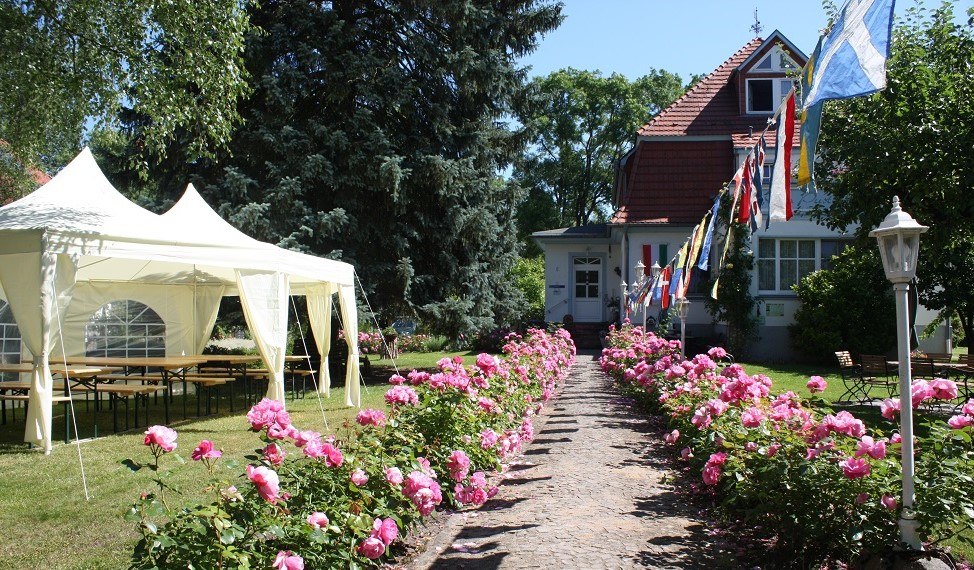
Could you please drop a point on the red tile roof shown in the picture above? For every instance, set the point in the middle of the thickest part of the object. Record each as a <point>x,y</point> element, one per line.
<point>674,181</point>
<point>710,107</point>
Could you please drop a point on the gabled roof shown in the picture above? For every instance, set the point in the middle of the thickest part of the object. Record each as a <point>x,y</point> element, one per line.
<point>710,107</point>
<point>776,37</point>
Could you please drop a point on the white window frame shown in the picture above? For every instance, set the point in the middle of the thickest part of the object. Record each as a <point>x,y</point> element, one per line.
<point>777,262</point>
<point>9,336</point>
<point>108,335</point>
<point>780,86</point>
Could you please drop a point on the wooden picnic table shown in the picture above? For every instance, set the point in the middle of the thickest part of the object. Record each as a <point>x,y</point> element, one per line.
<point>173,368</point>
<point>70,371</point>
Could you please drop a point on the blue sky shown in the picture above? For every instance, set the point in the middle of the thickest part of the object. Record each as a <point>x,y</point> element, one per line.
<point>683,37</point>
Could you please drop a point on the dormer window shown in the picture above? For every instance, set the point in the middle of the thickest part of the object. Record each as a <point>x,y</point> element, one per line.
<point>764,95</point>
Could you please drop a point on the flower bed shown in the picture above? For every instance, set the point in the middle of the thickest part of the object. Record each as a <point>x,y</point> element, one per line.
<point>814,484</point>
<point>342,501</point>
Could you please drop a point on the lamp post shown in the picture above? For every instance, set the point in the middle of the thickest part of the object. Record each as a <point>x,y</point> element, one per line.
<point>654,271</point>
<point>640,270</point>
<point>622,302</point>
<point>683,307</point>
<point>899,246</point>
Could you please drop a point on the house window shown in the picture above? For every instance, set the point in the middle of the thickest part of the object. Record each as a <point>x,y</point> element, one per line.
<point>829,249</point>
<point>765,95</point>
<point>782,263</point>
<point>9,340</point>
<point>125,328</point>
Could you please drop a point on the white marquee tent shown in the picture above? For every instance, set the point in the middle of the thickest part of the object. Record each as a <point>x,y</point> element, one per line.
<point>76,244</point>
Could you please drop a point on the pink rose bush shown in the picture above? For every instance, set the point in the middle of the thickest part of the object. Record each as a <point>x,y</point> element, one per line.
<point>820,484</point>
<point>329,501</point>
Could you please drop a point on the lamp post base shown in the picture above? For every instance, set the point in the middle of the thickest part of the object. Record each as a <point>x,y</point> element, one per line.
<point>908,533</point>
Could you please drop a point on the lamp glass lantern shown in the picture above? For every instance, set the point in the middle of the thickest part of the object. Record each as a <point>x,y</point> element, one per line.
<point>656,269</point>
<point>899,244</point>
<point>683,307</point>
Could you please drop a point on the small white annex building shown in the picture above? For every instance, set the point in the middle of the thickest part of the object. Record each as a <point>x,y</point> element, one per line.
<point>77,244</point>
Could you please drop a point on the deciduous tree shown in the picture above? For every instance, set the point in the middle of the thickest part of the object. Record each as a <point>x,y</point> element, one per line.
<point>69,65</point>
<point>580,123</point>
<point>914,140</point>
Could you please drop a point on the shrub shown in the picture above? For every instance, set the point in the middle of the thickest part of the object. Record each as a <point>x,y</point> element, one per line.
<point>813,483</point>
<point>342,501</point>
<point>848,307</point>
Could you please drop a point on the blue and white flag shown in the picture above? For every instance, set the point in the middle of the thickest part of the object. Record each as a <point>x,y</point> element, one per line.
<point>853,58</point>
<point>708,239</point>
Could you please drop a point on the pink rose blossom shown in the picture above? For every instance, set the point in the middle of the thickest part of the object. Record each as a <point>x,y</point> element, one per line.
<point>273,454</point>
<point>286,560</point>
<point>751,446</point>
<point>266,481</point>
<point>686,453</point>
<point>370,417</point>
<point>385,530</point>
<point>401,395</point>
<point>459,465</point>
<point>672,437</point>
<point>394,476</point>
<point>205,451</point>
<point>318,520</point>
<point>868,446</point>
<point>890,409</point>
<point>359,477</point>
<point>302,438</point>
<point>861,498</point>
<point>968,408</point>
<point>488,439</point>
<point>713,468</point>
<point>960,421</point>
<point>854,468</point>
<point>266,413</point>
<point>773,449</point>
<point>161,437</point>
<point>752,417</point>
<point>920,392</point>
<point>943,389</point>
<point>372,548</point>
<point>816,384</point>
<point>396,380</point>
<point>889,501</point>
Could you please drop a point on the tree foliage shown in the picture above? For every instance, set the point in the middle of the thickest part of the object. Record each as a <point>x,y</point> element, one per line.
<point>580,123</point>
<point>847,307</point>
<point>914,140</point>
<point>734,304</point>
<point>66,66</point>
<point>375,135</point>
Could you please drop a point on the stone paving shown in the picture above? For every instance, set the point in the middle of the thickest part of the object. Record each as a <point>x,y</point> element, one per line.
<point>589,492</point>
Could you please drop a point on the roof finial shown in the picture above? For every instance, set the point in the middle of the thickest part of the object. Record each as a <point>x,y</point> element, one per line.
<point>756,28</point>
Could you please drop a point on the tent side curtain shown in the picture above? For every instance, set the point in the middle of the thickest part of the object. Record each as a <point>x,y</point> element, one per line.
<point>38,287</point>
<point>319,318</point>
<point>349,313</point>
<point>264,298</point>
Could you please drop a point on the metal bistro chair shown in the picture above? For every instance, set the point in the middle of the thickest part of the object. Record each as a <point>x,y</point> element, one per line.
<point>922,367</point>
<point>851,378</point>
<point>875,372</point>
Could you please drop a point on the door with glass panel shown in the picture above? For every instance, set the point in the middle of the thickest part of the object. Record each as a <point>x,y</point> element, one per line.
<point>587,289</point>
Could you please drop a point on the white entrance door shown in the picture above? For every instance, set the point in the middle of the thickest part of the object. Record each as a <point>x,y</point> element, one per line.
<point>587,273</point>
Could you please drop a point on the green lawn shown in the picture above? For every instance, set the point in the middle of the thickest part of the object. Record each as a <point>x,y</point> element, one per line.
<point>410,360</point>
<point>45,518</point>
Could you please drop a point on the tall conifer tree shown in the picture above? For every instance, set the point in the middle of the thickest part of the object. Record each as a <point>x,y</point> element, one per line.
<point>375,134</point>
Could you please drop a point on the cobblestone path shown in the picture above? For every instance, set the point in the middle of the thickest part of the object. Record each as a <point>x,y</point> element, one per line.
<point>589,492</point>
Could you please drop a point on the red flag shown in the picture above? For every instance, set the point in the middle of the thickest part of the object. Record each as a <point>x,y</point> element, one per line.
<point>665,285</point>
